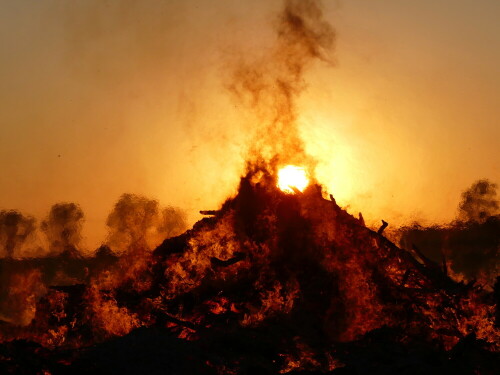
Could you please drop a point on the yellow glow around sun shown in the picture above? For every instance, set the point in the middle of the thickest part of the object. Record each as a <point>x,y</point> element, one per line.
<point>290,177</point>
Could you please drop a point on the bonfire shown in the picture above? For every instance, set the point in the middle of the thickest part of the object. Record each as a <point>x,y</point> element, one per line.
<point>277,280</point>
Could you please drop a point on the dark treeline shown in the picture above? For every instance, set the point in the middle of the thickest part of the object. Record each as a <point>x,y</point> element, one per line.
<point>470,244</point>
<point>135,221</point>
<point>35,257</point>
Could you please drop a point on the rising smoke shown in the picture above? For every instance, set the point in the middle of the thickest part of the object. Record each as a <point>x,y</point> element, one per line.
<point>270,85</point>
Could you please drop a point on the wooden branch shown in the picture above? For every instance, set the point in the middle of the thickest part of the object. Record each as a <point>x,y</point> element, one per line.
<point>384,225</point>
<point>210,212</point>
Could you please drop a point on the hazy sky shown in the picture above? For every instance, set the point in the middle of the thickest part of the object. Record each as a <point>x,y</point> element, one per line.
<point>99,98</point>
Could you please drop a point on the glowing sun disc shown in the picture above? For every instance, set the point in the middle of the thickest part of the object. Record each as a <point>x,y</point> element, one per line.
<point>290,177</point>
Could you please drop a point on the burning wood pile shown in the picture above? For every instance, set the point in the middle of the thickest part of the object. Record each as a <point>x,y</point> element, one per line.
<point>280,279</point>
<point>273,282</point>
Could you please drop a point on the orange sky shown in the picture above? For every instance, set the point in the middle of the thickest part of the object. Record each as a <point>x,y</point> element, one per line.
<point>99,98</point>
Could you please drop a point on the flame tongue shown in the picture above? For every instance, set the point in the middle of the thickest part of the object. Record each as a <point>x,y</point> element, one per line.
<point>292,177</point>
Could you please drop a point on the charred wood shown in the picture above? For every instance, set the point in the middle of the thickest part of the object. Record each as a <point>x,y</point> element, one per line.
<point>210,212</point>
<point>382,227</point>
<point>238,256</point>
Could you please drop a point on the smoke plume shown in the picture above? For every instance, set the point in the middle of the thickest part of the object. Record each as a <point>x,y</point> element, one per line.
<point>270,86</point>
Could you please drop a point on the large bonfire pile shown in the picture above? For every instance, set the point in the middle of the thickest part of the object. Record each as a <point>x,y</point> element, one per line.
<point>273,282</point>
<point>279,280</point>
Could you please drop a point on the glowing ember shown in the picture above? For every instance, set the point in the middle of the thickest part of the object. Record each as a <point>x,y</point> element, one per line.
<point>292,177</point>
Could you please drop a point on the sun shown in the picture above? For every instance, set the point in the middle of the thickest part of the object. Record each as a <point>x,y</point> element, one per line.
<point>292,177</point>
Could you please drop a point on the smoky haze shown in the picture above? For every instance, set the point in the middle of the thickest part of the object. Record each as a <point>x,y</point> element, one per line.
<point>99,98</point>
<point>103,97</point>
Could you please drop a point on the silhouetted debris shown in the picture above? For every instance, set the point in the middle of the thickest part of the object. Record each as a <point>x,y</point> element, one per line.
<point>382,227</point>
<point>275,283</point>
<point>224,263</point>
<point>470,248</point>
<point>210,212</point>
